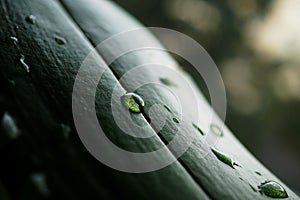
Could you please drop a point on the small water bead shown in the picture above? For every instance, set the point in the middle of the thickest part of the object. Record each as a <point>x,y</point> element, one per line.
<point>216,130</point>
<point>31,19</point>
<point>176,120</point>
<point>224,158</point>
<point>59,40</point>
<point>13,40</point>
<point>272,189</point>
<point>21,66</point>
<point>9,126</point>
<point>168,108</point>
<point>16,27</point>
<point>167,82</point>
<point>133,102</point>
<point>258,173</point>
<point>198,129</point>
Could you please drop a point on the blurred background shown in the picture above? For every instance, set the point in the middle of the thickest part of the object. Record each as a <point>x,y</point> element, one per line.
<point>256,45</point>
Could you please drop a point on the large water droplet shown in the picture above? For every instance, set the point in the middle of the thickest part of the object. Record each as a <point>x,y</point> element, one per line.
<point>9,126</point>
<point>198,129</point>
<point>133,102</point>
<point>273,189</point>
<point>21,66</point>
<point>31,19</point>
<point>60,40</point>
<point>216,130</point>
<point>167,82</point>
<point>224,158</point>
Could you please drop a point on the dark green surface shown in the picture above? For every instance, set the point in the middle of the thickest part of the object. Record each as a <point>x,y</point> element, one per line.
<point>41,101</point>
<point>218,180</point>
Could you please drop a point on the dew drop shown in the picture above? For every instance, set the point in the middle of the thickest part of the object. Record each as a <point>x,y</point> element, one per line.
<point>167,82</point>
<point>198,129</point>
<point>168,108</point>
<point>16,27</point>
<point>9,126</point>
<point>31,19</point>
<point>133,102</point>
<point>258,173</point>
<point>21,66</point>
<point>224,158</point>
<point>13,40</point>
<point>272,189</point>
<point>39,180</point>
<point>60,40</point>
<point>176,120</point>
<point>216,130</point>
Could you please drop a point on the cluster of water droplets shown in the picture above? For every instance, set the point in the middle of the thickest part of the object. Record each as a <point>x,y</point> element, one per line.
<point>22,67</point>
<point>135,104</point>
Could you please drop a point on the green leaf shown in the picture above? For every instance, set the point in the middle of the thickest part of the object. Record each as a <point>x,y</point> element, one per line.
<point>41,102</point>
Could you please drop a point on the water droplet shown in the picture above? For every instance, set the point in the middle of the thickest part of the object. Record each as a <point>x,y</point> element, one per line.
<point>133,102</point>
<point>31,19</point>
<point>21,66</point>
<point>12,40</point>
<point>176,120</point>
<point>273,189</point>
<point>198,129</point>
<point>39,180</point>
<point>216,130</point>
<point>65,130</point>
<point>60,40</point>
<point>168,108</point>
<point>224,158</point>
<point>9,126</point>
<point>258,173</point>
<point>167,82</point>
